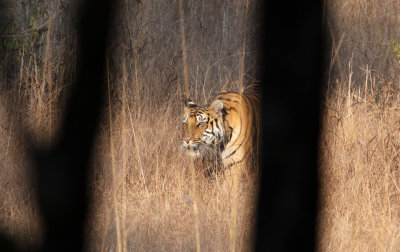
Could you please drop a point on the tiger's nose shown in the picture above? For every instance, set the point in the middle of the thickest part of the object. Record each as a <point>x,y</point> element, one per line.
<point>186,139</point>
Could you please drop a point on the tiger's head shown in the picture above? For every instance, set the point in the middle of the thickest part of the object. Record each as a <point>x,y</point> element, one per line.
<point>203,127</point>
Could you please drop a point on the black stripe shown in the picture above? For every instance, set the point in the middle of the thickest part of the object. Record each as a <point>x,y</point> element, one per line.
<point>228,99</point>
<point>244,157</point>
<point>232,153</point>
<point>212,133</point>
<point>241,126</point>
<point>244,140</point>
<point>227,92</point>
<point>245,137</point>
<point>216,125</point>
<point>232,108</point>
<point>237,162</point>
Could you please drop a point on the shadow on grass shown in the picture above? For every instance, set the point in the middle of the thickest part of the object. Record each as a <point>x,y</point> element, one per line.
<point>290,45</point>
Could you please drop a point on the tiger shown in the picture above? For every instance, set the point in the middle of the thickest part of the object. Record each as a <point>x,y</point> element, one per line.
<point>227,127</point>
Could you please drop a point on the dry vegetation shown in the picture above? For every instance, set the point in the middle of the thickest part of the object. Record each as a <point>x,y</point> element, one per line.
<point>360,173</point>
<point>146,197</point>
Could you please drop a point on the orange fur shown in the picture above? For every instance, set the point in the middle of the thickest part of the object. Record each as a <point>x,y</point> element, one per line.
<point>228,126</point>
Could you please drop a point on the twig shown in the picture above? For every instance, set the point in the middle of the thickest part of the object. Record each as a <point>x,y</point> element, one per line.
<point>23,33</point>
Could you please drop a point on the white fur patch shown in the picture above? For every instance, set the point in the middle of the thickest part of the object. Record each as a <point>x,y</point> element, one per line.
<point>185,120</point>
<point>201,118</point>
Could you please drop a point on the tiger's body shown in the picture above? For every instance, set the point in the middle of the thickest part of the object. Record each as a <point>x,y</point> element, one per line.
<point>227,127</point>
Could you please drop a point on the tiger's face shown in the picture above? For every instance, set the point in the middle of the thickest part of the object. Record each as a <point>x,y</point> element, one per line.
<point>203,127</point>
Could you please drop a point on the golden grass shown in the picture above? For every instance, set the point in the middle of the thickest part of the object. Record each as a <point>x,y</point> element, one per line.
<point>159,192</point>
<point>146,196</point>
<point>361,123</point>
<point>360,173</point>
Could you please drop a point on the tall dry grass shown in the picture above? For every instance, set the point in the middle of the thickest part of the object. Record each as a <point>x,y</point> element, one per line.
<point>156,197</point>
<point>146,195</point>
<point>360,171</point>
<point>361,129</point>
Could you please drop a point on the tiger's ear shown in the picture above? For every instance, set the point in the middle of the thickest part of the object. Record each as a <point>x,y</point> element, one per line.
<point>188,105</point>
<point>217,107</point>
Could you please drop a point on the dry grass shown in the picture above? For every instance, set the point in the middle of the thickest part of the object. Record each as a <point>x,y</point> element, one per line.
<point>155,194</point>
<point>146,195</point>
<point>360,147</point>
<point>360,174</point>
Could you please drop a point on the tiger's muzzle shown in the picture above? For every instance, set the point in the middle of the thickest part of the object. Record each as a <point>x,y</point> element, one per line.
<point>192,148</point>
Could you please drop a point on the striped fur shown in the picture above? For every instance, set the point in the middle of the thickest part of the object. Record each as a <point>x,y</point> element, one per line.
<point>227,127</point>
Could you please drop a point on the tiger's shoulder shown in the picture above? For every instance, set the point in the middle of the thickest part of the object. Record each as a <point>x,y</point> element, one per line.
<point>242,119</point>
<point>250,95</point>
